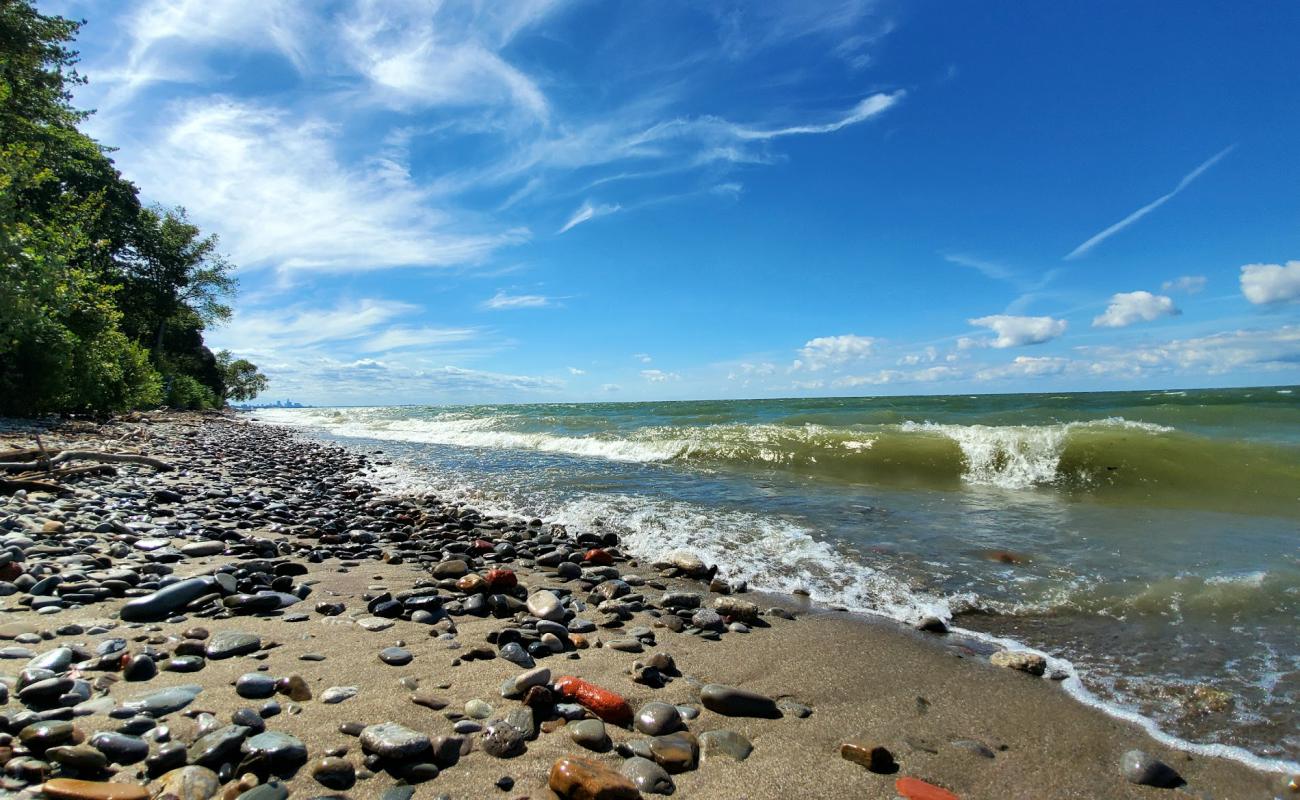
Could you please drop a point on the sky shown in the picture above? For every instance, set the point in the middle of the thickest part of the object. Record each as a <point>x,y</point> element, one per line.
<point>551,200</point>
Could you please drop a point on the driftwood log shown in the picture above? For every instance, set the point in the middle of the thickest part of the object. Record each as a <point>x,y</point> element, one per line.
<point>65,456</point>
<point>9,487</point>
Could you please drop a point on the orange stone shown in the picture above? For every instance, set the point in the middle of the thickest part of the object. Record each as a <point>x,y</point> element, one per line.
<point>609,706</point>
<point>502,579</point>
<point>72,789</point>
<point>598,557</point>
<point>916,789</point>
<point>472,584</point>
<point>578,778</point>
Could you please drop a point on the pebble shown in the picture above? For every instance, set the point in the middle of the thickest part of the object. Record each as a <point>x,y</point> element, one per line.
<point>648,776</point>
<point>255,685</point>
<point>657,718</point>
<point>545,605</point>
<point>280,751</point>
<point>501,739</point>
<point>337,694</point>
<point>874,757</point>
<point>725,743</point>
<point>916,789</point>
<point>589,733</point>
<point>676,752</point>
<point>395,656</point>
<point>120,748</point>
<point>1146,770</point>
<point>228,644</point>
<point>189,783</point>
<point>72,789</point>
<point>334,773</point>
<point>581,778</point>
<point>394,741</point>
<point>735,702</point>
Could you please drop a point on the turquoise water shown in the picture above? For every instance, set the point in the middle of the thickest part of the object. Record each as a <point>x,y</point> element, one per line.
<point>1148,540</point>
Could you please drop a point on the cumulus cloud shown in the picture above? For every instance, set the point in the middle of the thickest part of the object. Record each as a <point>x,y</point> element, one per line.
<point>501,300</point>
<point>1127,308</point>
<point>1187,284</point>
<point>1265,284</point>
<point>1013,331</point>
<point>659,376</point>
<point>831,351</point>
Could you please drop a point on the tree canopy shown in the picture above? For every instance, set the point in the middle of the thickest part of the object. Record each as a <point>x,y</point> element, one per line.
<point>104,300</point>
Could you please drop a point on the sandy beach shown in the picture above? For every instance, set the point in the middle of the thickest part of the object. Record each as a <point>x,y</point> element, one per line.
<point>300,518</point>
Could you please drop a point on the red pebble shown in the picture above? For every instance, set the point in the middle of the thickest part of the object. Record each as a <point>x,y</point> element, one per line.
<point>915,789</point>
<point>605,704</point>
<point>482,545</point>
<point>598,557</point>
<point>501,579</point>
<point>10,571</point>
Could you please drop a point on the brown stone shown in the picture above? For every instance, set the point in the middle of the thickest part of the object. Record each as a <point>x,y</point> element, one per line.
<point>72,789</point>
<point>874,757</point>
<point>1031,663</point>
<point>472,583</point>
<point>578,778</point>
<point>676,752</point>
<point>295,687</point>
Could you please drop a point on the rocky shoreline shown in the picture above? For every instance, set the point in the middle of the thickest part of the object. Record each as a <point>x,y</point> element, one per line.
<point>260,622</point>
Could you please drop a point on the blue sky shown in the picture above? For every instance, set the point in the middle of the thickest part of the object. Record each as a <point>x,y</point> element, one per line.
<point>547,200</point>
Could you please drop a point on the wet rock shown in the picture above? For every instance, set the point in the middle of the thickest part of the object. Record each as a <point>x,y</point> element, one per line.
<point>580,778</point>
<point>735,702</point>
<point>1146,770</point>
<point>545,605</point>
<point>648,776</point>
<point>677,752</point>
<point>1021,661</point>
<point>214,749</point>
<point>81,757</point>
<point>657,718</point>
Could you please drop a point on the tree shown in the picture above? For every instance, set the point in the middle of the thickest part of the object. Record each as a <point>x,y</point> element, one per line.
<point>243,381</point>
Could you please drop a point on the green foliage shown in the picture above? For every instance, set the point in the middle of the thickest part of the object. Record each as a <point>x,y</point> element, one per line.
<point>98,295</point>
<point>242,380</point>
<point>187,393</point>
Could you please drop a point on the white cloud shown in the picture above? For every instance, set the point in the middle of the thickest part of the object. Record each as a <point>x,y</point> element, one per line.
<point>587,212</point>
<point>1257,350</point>
<point>1187,284</point>
<point>576,371</point>
<point>827,351</point>
<point>866,108</point>
<point>501,300</point>
<point>421,55</point>
<point>1127,308</point>
<point>1186,181</point>
<point>884,376</point>
<point>610,387</point>
<point>1271,283</point>
<point>644,358</point>
<point>1026,367</point>
<point>1015,331</point>
<point>927,356</point>
<point>659,376</point>
<point>300,327</point>
<point>280,196</point>
<point>401,338</point>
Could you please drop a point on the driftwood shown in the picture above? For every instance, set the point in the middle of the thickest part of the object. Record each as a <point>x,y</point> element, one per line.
<point>84,455</point>
<point>9,487</point>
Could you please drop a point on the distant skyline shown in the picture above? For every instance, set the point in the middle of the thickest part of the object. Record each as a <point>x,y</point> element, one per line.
<point>540,200</point>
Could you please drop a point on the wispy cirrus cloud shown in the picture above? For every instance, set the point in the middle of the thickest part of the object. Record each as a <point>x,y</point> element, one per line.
<point>1084,248</point>
<point>503,301</point>
<point>586,213</point>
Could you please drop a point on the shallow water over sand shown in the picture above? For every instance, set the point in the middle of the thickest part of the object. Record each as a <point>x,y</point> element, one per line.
<point>1151,539</point>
